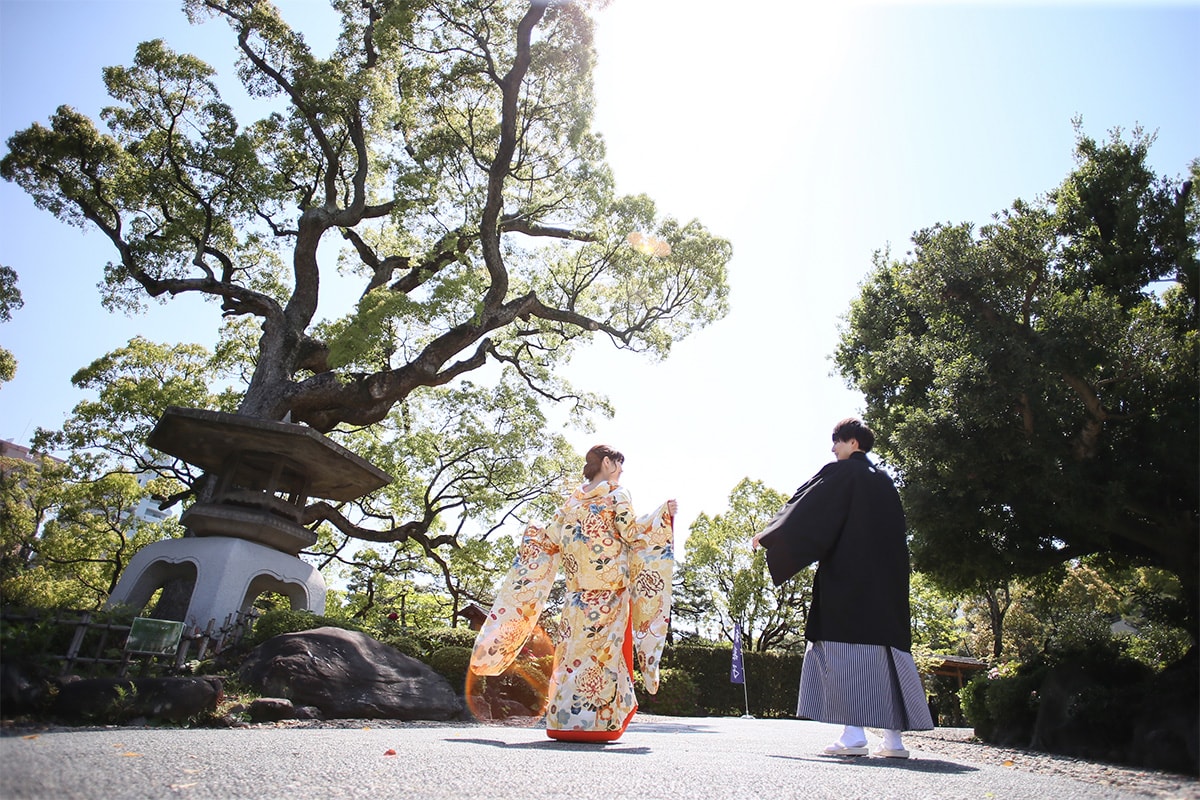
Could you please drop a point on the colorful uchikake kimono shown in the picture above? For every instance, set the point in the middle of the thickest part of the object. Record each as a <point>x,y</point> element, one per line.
<point>618,600</point>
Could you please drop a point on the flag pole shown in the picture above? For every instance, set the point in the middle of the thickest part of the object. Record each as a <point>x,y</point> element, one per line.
<point>737,672</point>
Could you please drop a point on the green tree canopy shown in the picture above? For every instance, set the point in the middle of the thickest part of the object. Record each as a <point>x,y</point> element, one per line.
<point>66,542</point>
<point>724,582</point>
<point>1035,382</point>
<point>447,145</point>
<point>10,299</point>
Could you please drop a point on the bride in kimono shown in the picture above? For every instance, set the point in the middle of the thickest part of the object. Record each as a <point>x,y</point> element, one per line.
<point>618,601</point>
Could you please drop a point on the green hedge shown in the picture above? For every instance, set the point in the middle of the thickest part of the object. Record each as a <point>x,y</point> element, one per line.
<point>772,680</point>
<point>677,695</point>
<point>694,678</point>
<point>1094,692</point>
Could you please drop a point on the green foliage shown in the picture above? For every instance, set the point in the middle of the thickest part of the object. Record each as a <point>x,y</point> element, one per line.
<point>1002,704</point>
<point>66,542</point>
<point>1035,382</point>
<point>1012,703</point>
<point>1092,689</point>
<point>772,679</point>
<point>973,701</point>
<point>132,387</point>
<point>1077,605</point>
<point>936,626</point>
<point>433,639</point>
<point>452,663</point>
<point>10,299</point>
<point>10,295</point>
<point>406,645</point>
<point>677,696</point>
<point>8,365</point>
<point>40,637</point>
<point>444,143</point>
<point>721,581</point>
<point>281,621</point>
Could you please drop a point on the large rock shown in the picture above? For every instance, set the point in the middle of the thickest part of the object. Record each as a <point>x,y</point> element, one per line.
<point>121,699</point>
<point>349,675</point>
<point>21,689</point>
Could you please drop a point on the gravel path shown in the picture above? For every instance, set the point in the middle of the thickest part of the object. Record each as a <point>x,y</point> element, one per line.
<point>960,743</point>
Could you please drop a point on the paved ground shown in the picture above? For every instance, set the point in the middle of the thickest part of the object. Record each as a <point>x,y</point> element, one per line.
<point>665,758</point>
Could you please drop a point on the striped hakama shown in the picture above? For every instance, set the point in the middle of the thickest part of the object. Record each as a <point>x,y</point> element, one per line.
<point>867,685</point>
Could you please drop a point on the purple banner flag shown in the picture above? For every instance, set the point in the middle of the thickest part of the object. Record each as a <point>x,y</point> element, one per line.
<point>736,673</point>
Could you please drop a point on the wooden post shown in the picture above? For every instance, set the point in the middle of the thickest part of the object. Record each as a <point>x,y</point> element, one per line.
<point>206,640</point>
<point>81,628</point>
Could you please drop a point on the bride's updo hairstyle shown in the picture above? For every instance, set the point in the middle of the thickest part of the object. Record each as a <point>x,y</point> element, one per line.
<point>591,464</point>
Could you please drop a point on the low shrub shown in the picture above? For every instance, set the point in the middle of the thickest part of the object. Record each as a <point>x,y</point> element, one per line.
<point>275,623</point>
<point>452,664</point>
<point>405,644</point>
<point>433,639</point>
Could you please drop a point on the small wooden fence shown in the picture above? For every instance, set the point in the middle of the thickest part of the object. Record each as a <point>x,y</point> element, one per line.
<point>94,640</point>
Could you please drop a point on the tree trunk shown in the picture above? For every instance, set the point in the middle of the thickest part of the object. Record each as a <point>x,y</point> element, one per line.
<point>174,600</point>
<point>996,612</point>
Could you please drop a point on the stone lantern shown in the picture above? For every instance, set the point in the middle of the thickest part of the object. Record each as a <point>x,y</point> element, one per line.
<point>247,536</point>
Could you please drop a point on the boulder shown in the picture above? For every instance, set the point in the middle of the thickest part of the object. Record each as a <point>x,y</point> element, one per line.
<point>348,675</point>
<point>121,699</point>
<point>271,709</point>
<point>21,689</point>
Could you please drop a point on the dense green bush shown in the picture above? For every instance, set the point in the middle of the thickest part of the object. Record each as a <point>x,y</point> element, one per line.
<point>677,694</point>
<point>1080,702</point>
<point>405,644</point>
<point>1012,706</point>
<point>274,623</point>
<point>433,639</point>
<point>972,698</point>
<point>1002,704</point>
<point>452,663</point>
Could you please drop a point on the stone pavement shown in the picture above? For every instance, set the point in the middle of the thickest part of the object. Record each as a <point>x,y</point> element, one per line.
<point>659,758</point>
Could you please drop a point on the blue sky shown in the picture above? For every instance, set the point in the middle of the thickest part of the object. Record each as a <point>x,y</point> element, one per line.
<point>810,135</point>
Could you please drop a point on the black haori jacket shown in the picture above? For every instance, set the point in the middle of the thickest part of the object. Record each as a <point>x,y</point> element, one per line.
<point>848,518</point>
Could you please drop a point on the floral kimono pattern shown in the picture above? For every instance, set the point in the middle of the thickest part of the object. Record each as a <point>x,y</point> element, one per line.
<point>618,580</point>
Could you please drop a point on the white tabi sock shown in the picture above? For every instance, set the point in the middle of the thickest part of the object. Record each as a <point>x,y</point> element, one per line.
<point>853,736</point>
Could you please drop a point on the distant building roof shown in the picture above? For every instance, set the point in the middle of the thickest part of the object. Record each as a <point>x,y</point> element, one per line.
<point>958,666</point>
<point>474,614</point>
<point>10,450</point>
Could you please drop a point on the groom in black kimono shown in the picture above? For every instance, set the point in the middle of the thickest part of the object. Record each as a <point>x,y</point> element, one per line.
<point>858,669</point>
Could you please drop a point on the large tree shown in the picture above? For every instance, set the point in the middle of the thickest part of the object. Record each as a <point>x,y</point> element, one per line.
<point>723,582</point>
<point>1034,382</point>
<point>64,543</point>
<point>448,146</point>
<point>10,299</point>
